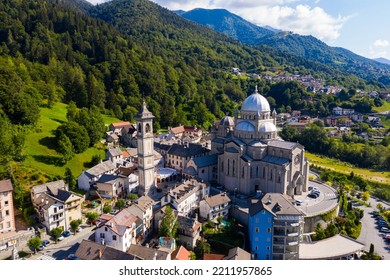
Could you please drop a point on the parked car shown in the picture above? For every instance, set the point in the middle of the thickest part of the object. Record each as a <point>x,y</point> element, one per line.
<point>45,242</point>
<point>313,195</point>
<point>61,238</point>
<point>79,229</point>
<point>66,233</point>
<point>385,230</point>
<point>298,202</point>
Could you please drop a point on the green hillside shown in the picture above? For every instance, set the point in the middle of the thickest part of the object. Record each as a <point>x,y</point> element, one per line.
<point>42,160</point>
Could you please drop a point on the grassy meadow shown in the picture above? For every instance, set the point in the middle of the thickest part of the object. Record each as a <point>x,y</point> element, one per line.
<point>42,160</point>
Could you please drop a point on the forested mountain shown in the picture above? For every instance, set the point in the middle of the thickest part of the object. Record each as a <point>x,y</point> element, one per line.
<point>228,23</point>
<point>307,47</point>
<point>54,51</point>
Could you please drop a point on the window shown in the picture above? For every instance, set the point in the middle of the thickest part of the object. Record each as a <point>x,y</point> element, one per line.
<point>102,235</point>
<point>257,229</point>
<point>6,203</point>
<point>263,172</point>
<point>268,229</point>
<point>105,229</point>
<point>263,212</point>
<point>114,237</point>
<point>228,167</point>
<point>7,212</point>
<point>256,248</point>
<point>270,175</point>
<point>268,248</point>
<point>243,172</point>
<point>55,209</point>
<point>257,171</point>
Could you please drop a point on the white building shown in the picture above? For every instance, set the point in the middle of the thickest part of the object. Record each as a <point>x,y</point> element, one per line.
<point>55,206</point>
<point>92,175</point>
<point>119,231</point>
<point>186,197</point>
<point>111,186</point>
<point>215,206</point>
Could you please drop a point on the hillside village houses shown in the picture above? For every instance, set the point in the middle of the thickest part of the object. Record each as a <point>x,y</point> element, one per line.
<point>55,205</point>
<point>245,155</point>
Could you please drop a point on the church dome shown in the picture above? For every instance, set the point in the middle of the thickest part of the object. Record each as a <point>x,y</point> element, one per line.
<point>227,121</point>
<point>256,103</point>
<point>245,127</point>
<point>267,127</point>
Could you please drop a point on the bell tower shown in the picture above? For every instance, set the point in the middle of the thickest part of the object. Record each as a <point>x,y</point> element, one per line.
<point>145,148</point>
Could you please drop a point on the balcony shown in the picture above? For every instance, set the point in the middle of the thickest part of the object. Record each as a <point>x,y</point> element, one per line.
<point>292,234</point>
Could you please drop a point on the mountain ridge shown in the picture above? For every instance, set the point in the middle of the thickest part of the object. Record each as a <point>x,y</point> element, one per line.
<point>305,46</point>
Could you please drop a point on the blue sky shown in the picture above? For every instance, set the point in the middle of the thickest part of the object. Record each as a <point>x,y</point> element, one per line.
<point>358,25</point>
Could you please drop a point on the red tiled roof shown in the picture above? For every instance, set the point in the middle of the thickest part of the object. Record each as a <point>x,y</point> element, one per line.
<point>125,154</point>
<point>121,124</point>
<point>181,254</point>
<point>213,257</point>
<point>178,129</point>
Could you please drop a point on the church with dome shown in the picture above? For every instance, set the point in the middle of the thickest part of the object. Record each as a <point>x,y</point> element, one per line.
<point>251,155</point>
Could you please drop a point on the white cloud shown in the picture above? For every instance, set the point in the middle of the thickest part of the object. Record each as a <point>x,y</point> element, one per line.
<point>380,48</point>
<point>280,14</point>
<point>94,2</point>
<point>381,43</point>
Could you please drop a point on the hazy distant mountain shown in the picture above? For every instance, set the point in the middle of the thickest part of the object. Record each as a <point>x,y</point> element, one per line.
<point>226,22</point>
<point>307,47</point>
<point>382,60</point>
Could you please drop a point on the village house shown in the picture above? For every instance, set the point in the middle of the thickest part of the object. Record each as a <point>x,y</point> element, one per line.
<point>130,175</point>
<point>118,231</point>
<point>179,155</point>
<point>7,216</point>
<point>115,155</point>
<point>215,206</point>
<point>147,253</point>
<point>90,250</point>
<point>92,175</point>
<point>143,209</point>
<point>55,205</point>
<point>186,197</point>
<point>189,231</point>
<point>111,186</point>
<point>337,111</point>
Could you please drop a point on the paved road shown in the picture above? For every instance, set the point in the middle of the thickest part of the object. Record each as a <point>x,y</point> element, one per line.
<point>327,200</point>
<point>370,232</point>
<point>60,250</point>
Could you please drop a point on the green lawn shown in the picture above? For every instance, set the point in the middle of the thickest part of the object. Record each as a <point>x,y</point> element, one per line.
<point>347,168</point>
<point>42,158</point>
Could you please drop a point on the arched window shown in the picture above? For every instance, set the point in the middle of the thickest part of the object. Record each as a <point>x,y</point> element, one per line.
<point>234,171</point>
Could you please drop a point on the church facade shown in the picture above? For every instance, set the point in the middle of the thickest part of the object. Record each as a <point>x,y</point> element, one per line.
<point>251,156</point>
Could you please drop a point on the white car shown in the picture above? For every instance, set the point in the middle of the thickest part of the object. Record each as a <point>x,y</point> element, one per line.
<point>298,202</point>
<point>61,238</point>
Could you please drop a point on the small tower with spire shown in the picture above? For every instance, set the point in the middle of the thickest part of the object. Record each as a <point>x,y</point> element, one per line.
<point>145,148</point>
